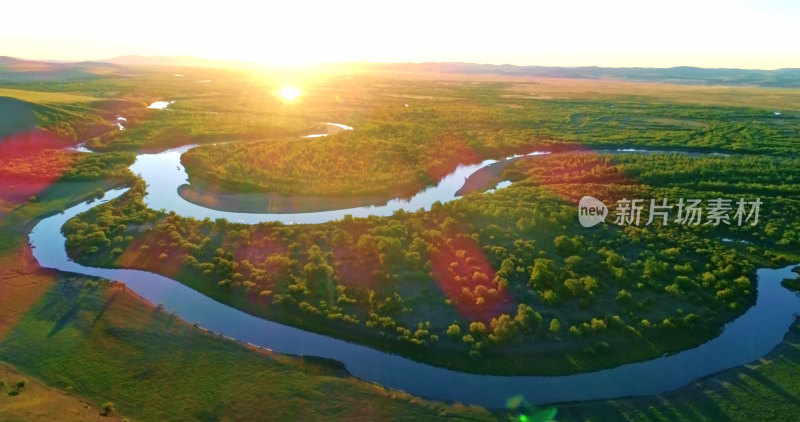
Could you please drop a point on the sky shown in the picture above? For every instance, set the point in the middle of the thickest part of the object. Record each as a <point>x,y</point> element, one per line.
<point>760,34</point>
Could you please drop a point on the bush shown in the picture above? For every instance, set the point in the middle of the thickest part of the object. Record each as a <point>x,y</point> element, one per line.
<point>555,325</point>
<point>477,328</point>
<point>21,383</point>
<point>623,296</point>
<point>108,407</point>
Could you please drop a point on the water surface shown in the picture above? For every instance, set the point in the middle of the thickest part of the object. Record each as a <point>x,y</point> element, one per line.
<point>745,339</point>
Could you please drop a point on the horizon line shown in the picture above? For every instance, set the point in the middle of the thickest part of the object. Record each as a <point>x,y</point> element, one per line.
<point>257,63</point>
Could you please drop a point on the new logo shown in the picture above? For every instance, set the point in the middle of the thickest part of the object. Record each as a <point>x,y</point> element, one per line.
<point>591,211</point>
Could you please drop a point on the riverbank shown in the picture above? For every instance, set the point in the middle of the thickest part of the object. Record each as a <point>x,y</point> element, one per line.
<point>763,325</point>
<point>765,389</point>
<point>92,336</point>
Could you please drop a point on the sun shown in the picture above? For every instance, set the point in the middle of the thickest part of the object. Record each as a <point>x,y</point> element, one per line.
<point>289,93</point>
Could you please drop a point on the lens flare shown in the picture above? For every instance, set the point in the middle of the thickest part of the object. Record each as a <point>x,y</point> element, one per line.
<point>289,93</point>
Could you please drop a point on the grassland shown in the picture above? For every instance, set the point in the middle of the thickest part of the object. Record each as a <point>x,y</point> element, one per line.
<point>45,97</point>
<point>39,402</point>
<point>23,284</point>
<point>474,282</point>
<point>387,282</point>
<point>765,98</point>
<point>764,390</point>
<point>80,343</point>
<point>100,342</point>
<point>349,164</point>
<point>477,284</point>
<point>408,133</point>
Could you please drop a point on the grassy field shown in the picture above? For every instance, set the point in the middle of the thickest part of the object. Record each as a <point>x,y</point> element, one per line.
<point>100,342</point>
<point>80,343</point>
<point>766,390</point>
<point>612,90</point>
<point>45,97</point>
<point>83,342</point>
<point>409,132</point>
<point>22,284</point>
<point>476,284</point>
<point>38,402</point>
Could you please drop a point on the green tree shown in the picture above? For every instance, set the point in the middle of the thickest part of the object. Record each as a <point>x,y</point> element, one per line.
<point>477,328</point>
<point>503,329</point>
<point>454,330</point>
<point>543,274</point>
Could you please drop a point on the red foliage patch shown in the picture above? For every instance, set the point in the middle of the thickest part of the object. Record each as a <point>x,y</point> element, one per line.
<point>465,276</point>
<point>354,270</point>
<point>29,163</point>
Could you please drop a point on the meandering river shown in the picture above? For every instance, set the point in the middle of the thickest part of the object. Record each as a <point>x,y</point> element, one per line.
<point>164,174</point>
<point>743,340</point>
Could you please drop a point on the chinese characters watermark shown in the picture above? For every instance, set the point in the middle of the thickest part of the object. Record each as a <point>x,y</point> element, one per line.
<point>632,212</point>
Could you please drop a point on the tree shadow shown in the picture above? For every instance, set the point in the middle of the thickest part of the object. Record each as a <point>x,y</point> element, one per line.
<point>775,388</point>
<point>110,301</point>
<point>65,319</point>
<point>702,409</point>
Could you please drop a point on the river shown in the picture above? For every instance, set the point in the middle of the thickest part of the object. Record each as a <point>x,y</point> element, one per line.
<point>763,325</point>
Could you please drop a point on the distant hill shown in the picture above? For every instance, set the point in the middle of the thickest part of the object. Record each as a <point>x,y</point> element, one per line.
<point>681,75</point>
<point>18,70</point>
<point>23,70</point>
<point>176,61</point>
<point>5,61</point>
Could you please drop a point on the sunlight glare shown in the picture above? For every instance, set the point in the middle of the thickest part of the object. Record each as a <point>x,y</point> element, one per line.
<point>289,93</point>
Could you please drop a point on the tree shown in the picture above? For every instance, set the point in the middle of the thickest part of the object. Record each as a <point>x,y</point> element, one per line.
<point>550,297</point>
<point>623,296</point>
<point>543,274</point>
<point>565,246</point>
<point>597,324</point>
<point>555,325</point>
<point>477,328</point>
<point>454,330</point>
<point>503,329</point>
<point>527,318</point>
<point>317,271</point>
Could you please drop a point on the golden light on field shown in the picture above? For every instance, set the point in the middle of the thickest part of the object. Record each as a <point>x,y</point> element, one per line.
<point>289,93</point>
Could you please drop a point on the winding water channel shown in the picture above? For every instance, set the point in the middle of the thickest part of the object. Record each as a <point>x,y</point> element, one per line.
<point>747,338</point>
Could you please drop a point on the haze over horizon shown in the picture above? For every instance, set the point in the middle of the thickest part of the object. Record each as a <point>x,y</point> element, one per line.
<point>619,33</point>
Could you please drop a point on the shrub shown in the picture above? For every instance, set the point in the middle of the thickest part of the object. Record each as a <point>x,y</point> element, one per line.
<point>477,328</point>
<point>623,296</point>
<point>108,407</point>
